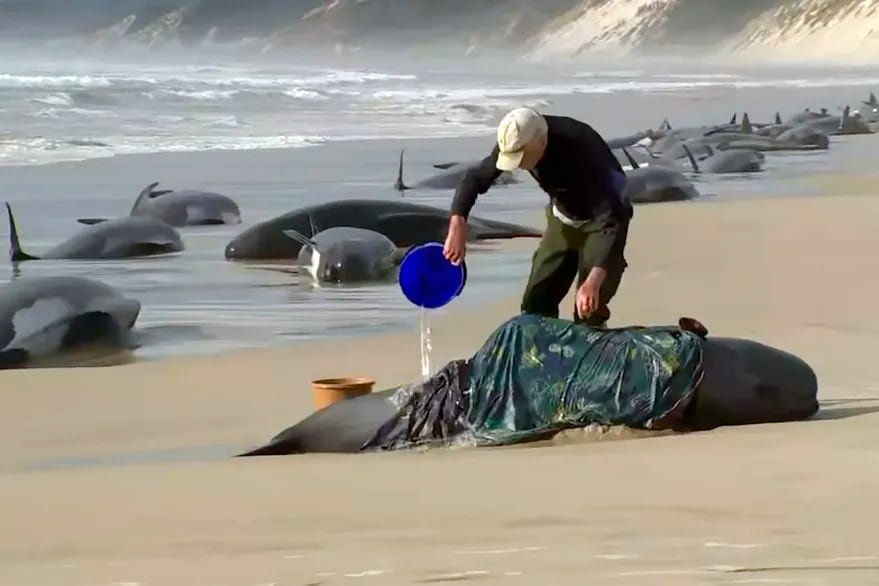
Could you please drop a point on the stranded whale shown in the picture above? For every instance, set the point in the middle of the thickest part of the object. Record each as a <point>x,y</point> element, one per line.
<point>494,395</point>
<point>125,237</point>
<point>404,223</point>
<point>345,255</point>
<point>40,316</point>
<point>187,207</point>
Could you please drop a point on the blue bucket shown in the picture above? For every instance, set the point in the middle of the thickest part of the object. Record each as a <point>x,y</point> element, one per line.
<point>428,279</point>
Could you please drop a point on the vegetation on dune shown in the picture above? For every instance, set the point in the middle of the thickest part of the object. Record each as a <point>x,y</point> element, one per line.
<point>648,26</point>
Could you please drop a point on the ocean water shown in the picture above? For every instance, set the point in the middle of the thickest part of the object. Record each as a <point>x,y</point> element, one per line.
<point>83,138</point>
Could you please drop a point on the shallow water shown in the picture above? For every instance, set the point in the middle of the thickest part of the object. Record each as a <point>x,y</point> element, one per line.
<point>197,302</point>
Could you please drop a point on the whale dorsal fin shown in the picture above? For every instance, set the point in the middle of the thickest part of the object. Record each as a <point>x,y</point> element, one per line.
<point>16,254</point>
<point>692,158</point>
<point>91,221</point>
<point>632,161</point>
<point>312,225</point>
<point>846,117</point>
<point>734,119</point>
<point>777,118</point>
<point>398,184</point>
<point>144,194</point>
<point>746,124</point>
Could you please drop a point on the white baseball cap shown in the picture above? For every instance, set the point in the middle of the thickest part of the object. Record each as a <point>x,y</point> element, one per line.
<point>519,127</point>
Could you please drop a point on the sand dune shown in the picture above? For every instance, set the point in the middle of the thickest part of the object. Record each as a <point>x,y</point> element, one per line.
<point>790,502</point>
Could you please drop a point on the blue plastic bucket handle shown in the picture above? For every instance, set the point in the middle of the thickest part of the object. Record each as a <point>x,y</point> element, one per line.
<point>428,279</point>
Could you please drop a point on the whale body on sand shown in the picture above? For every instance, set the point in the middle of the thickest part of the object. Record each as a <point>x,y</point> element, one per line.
<point>737,382</point>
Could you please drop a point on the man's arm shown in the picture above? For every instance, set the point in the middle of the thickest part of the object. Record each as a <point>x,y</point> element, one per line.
<point>609,241</point>
<point>476,181</point>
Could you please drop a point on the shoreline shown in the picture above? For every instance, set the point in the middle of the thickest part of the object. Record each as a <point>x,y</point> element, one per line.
<point>460,330</point>
<point>123,474</point>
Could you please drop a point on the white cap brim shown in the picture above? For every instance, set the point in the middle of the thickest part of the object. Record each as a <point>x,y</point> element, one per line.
<point>509,161</point>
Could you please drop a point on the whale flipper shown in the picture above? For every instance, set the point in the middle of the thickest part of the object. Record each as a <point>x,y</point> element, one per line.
<point>692,158</point>
<point>16,254</point>
<point>632,161</point>
<point>91,221</point>
<point>299,237</point>
<point>444,165</point>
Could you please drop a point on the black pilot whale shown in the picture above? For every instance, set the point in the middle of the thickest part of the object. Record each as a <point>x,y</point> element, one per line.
<point>404,223</point>
<point>125,237</point>
<point>744,382</point>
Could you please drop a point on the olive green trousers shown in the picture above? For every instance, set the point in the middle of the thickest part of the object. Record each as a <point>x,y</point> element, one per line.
<point>566,252</point>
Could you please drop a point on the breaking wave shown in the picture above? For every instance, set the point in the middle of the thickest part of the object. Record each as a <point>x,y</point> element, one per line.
<point>83,111</point>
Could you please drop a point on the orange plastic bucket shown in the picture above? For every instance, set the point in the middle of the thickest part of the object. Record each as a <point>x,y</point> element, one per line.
<point>327,391</point>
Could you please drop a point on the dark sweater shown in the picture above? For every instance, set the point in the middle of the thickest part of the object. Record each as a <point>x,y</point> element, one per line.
<point>575,171</point>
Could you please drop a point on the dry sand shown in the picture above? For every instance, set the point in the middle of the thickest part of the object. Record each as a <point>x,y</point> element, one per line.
<point>786,504</point>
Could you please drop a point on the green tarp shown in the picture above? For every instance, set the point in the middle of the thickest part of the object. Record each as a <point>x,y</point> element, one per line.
<point>536,375</point>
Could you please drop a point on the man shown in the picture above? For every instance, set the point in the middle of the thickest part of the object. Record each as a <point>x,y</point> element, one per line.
<point>587,218</point>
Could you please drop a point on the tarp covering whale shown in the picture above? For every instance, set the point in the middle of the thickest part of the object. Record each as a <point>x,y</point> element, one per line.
<point>535,376</point>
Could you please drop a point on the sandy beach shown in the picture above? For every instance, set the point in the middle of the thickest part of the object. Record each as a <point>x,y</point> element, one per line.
<point>121,475</point>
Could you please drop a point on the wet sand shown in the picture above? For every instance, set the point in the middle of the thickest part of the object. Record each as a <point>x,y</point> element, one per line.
<point>83,504</point>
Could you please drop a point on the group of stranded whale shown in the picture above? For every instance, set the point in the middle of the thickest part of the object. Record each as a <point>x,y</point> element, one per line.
<point>365,239</point>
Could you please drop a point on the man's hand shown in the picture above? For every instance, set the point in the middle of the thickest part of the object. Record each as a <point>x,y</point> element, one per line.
<point>588,293</point>
<point>456,240</point>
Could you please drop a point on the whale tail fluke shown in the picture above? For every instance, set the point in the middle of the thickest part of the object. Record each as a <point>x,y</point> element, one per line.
<point>16,254</point>
<point>399,185</point>
<point>91,221</point>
